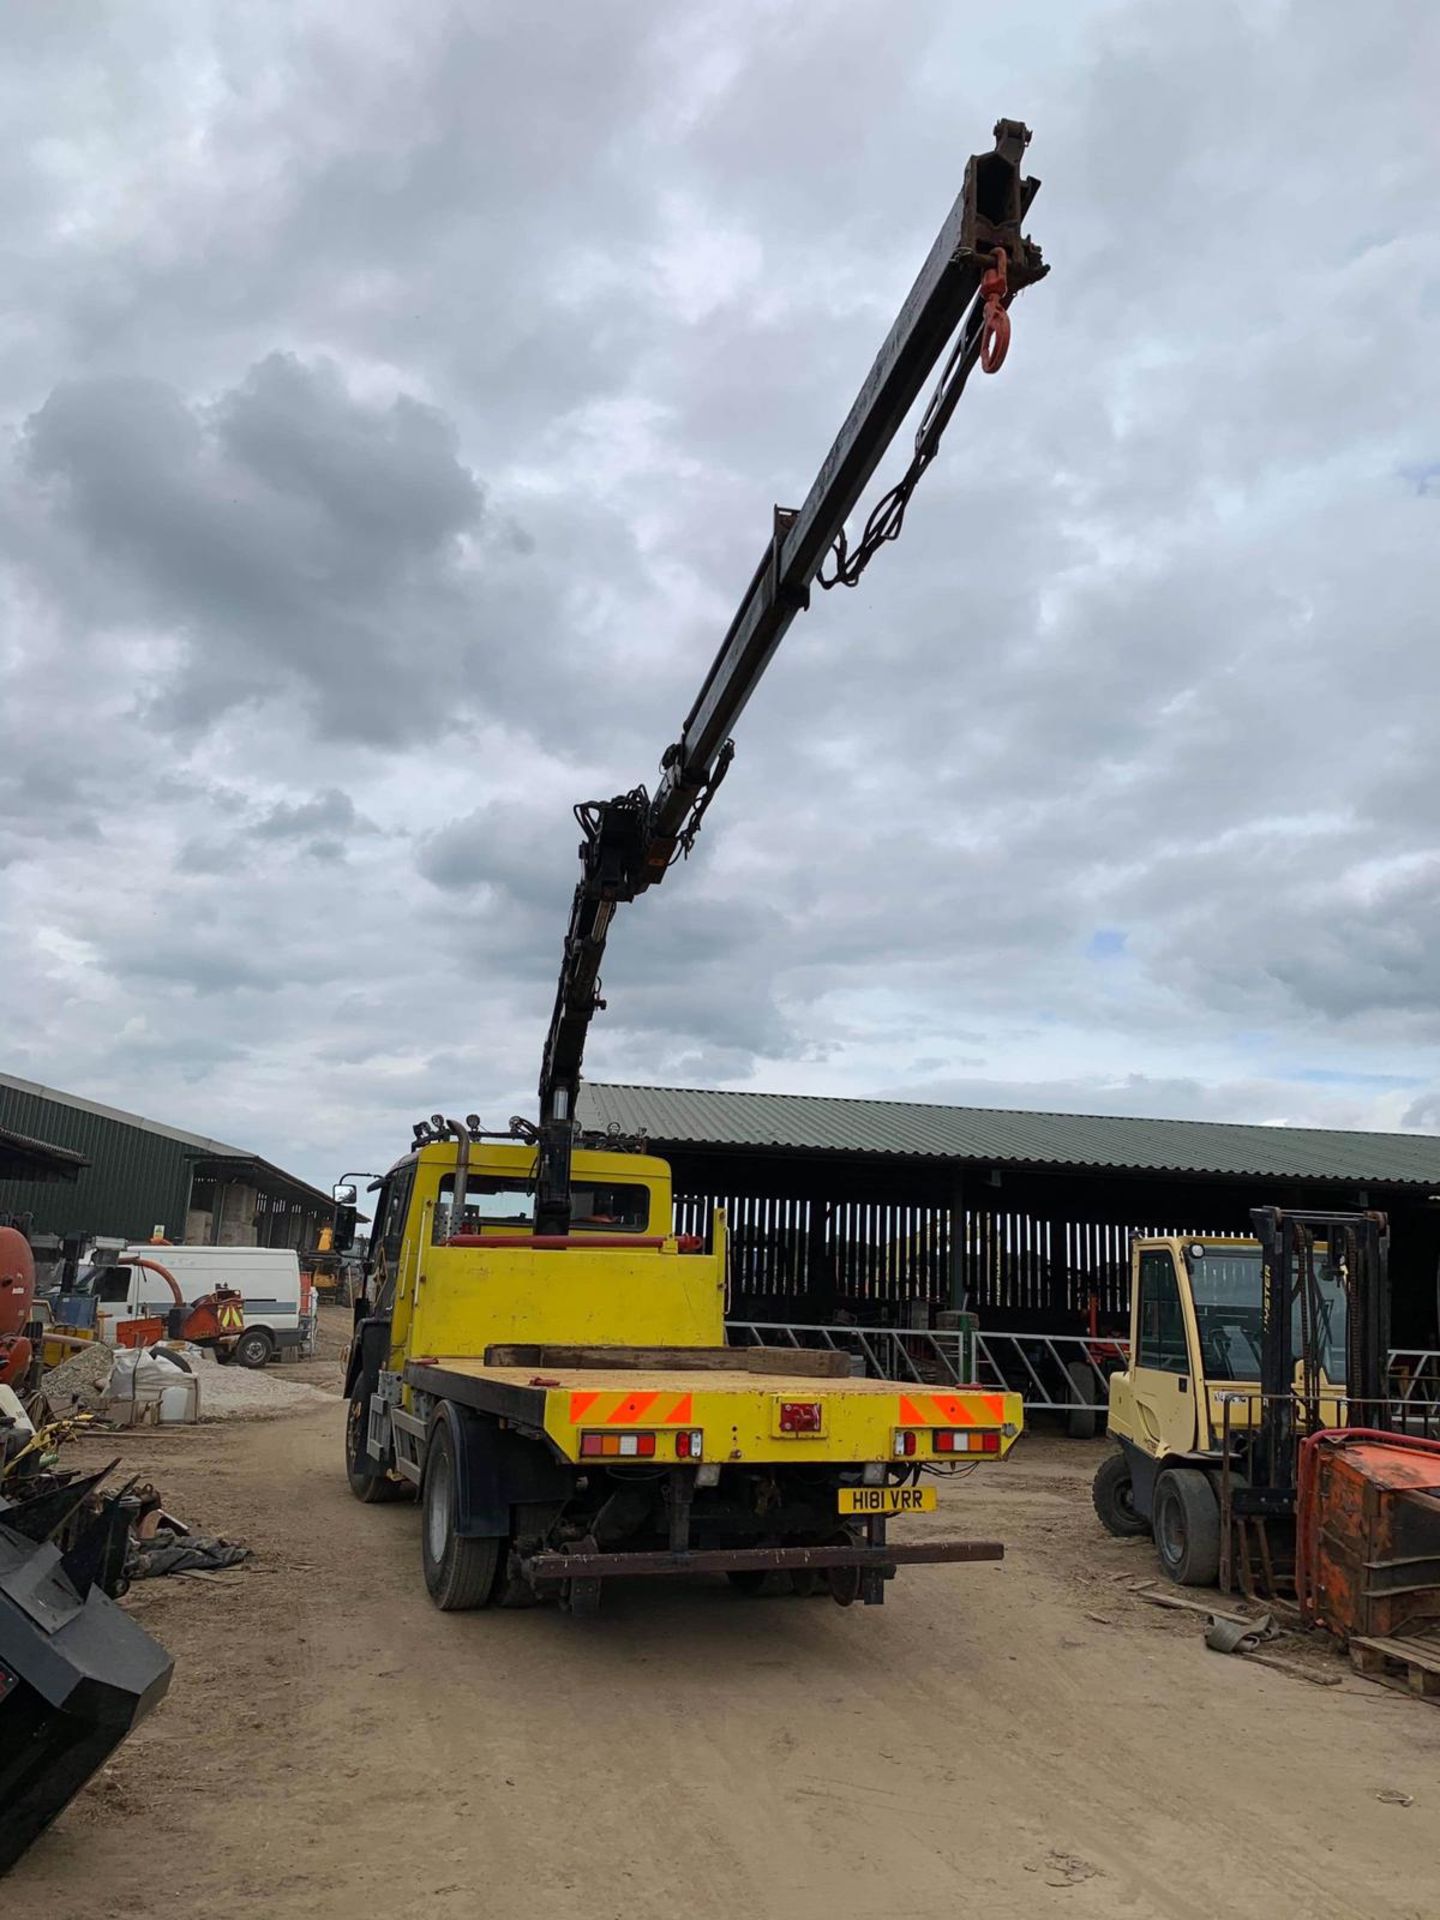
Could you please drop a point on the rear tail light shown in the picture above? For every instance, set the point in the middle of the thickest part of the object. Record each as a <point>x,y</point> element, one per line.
<point>689,1446</point>
<point>966,1440</point>
<point>617,1446</point>
<point>799,1416</point>
<point>905,1442</point>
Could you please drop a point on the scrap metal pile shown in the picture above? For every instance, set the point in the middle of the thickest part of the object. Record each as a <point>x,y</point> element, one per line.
<point>77,1674</point>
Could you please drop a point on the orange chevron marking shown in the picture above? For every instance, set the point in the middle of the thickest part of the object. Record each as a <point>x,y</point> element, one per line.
<point>682,1413</point>
<point>951,1409</point>
<point>632,1408</point>
<point>580,1405</point>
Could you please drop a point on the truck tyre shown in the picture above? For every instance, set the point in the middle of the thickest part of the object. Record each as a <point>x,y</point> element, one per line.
<point>1114,1499</point>
<point>460,1573</point>
<point>1187,1527</point>
<point>1081,1423</point>
<point>254,1348</point>
<point>368,1482</point>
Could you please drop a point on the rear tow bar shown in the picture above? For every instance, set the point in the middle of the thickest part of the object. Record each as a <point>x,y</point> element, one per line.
<point>872,1565</point>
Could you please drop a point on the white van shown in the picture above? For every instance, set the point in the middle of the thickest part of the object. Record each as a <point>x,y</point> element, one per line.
<point>266,1278</point>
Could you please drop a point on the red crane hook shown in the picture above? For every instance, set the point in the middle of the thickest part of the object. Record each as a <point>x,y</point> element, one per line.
<point>995,326</point>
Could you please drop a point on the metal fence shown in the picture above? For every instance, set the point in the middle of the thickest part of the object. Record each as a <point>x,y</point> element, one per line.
<point>884,1353</point>
<point>1058,1373</point>
<point>1053,1373</point>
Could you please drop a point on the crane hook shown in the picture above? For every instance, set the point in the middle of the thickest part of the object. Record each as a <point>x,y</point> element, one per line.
<point>995,326</point>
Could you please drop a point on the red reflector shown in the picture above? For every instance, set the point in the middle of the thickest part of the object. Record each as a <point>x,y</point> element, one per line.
<point>617,1446</point>
<point>689,1446</point>
<point>905,1442</point>
<point>800,1416</point>
<point>965,1440</point>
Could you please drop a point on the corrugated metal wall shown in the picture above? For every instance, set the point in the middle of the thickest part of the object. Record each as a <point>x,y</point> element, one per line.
<point>134,1181</point>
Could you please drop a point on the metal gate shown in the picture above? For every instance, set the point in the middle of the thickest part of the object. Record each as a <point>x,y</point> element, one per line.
<point>1053,1373</point>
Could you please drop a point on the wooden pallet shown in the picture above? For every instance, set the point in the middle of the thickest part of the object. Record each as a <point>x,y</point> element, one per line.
<point>1411,1665</point>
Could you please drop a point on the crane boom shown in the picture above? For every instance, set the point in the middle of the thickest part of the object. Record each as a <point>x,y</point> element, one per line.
<point>979,261</point>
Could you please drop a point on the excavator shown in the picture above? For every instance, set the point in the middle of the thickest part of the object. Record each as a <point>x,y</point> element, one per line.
<point>537,1353</point>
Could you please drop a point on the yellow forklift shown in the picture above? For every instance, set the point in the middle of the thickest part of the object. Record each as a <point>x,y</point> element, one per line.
<point>1255,1364</point>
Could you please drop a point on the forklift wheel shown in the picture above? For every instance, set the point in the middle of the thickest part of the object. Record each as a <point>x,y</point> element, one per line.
<point>1187,1527</point>
<point>1115,1499</point>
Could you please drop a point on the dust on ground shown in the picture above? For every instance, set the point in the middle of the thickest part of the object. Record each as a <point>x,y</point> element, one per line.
<point>1015,1739</point>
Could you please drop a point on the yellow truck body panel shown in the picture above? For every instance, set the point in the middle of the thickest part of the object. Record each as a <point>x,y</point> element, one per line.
<point>737,1412</point>
<point>463,1299</point>
<point>471,1298</point>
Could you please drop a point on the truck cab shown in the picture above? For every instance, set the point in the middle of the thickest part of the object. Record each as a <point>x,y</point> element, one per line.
<point>445,1279</point>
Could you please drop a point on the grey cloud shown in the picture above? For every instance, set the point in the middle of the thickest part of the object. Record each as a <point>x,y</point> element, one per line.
<point>504,845</point>
<point>204,966</point>
<point>213,856</point>
<point>332,812</point>
<point>1153,653</point>
<point>290,532</point>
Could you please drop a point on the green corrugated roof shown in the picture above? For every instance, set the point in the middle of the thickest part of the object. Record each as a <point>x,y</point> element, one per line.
<point>127,1152</point>
<point>77,1104</point>
<point>996,1137</point>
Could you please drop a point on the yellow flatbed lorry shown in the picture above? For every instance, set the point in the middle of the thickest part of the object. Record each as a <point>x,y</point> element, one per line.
<point>571,1413</point>
<point>536,1350</point>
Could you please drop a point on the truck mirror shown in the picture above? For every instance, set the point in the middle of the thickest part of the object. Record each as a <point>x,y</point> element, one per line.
<point>343,1222</point>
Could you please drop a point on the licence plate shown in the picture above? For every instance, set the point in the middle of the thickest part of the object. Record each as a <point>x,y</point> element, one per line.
<point>887,1499</point>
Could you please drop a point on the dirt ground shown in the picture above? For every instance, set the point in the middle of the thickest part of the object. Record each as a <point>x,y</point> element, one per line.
<point>1011,1740</point>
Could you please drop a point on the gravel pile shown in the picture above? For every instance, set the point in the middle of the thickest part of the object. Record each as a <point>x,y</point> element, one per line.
<point>79,1381</point>
<point>230,1393</point>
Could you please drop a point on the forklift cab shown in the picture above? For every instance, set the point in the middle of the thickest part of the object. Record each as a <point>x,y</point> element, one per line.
<point>1197,1344</point>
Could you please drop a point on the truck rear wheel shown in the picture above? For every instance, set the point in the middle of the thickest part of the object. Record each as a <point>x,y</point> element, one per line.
<point>1187,1527</point>
<point>1114,1499</point>
<point>368,1482</point>
<point>460,1572</point>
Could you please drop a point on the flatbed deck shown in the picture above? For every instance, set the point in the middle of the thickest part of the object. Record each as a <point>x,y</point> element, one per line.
<point>739,1412</point>
<point>632,1380</point>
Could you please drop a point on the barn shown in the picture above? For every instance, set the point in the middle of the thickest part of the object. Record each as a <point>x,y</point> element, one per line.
<point>884,1211</point>
<point>126,1176</point>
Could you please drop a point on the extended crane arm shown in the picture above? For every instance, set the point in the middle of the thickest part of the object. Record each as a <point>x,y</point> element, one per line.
<point>979,261</point>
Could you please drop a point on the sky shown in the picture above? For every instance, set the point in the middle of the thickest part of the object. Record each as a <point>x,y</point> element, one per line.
<point>392,405</point>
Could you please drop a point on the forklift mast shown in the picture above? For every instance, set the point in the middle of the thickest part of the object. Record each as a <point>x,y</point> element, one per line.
<point>979,262</point>
<point>1356,1250</point>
